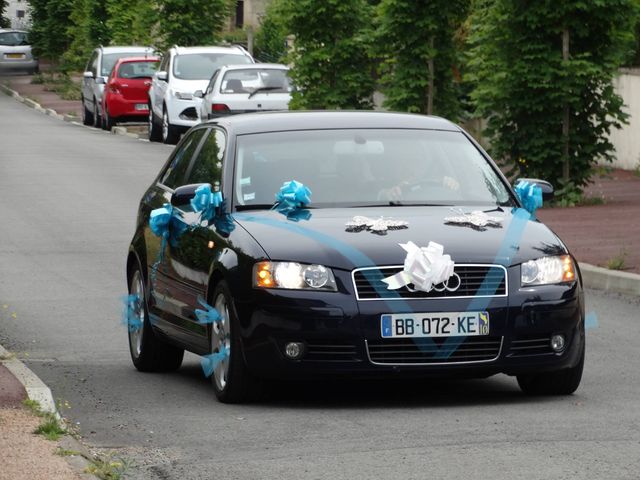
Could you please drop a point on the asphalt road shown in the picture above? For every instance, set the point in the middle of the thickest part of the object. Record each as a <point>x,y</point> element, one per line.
<point>68,198</point>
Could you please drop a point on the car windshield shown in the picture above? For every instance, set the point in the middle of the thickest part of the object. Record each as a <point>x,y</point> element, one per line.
<point>137,69</point>
<point>201,66</point>
<point>366,167</point>
<point>13,39</point>
<point>110,59</point>
<point>251,80</point>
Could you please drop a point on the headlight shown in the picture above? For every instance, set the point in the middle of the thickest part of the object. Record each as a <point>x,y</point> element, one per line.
<point>547,270</point>
<point>183,96</point>
<point>293,276</point>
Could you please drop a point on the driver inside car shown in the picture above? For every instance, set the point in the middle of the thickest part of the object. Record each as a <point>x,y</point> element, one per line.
<point>417,175</point>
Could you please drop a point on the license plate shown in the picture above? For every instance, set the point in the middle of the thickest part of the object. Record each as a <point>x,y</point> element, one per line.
<point>14,55</point>
<point>141,106</point>
<point>442,324</point>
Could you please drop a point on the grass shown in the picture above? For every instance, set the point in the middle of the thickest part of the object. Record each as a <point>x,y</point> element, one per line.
<point>63,452</point>
<point>636,171</point>
<point>618,262</point>
<point>58,83</point>
<point>51,428</point>
<point>109,468</point>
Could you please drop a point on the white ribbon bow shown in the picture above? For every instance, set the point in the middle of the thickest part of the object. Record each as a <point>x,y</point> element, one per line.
<point>476,218</point>
<point>424,267</point>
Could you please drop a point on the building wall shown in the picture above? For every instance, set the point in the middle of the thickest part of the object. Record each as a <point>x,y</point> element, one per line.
<point>13,13</point>
<point>626,140</point>
<point>252,10</point>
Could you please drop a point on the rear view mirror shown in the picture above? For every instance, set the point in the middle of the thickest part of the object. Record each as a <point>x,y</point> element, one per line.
<point>161,75</point>
<point>546,187</point>
<point>101,80</point>
<point>87,74</point>
<point>182,195</point>
<point>198,94</point>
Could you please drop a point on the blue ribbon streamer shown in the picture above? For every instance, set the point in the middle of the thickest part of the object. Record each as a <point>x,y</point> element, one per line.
<point>530,195</point>
<point>206,202</point>
<point>129,316</point>
<point>209,315</point>
<point>292,196</point>
<point>210,362</point>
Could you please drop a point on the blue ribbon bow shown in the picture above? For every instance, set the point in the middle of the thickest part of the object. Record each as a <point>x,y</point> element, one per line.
<point>209,315</point>
<point>129,314</point>
<point>210,362</point>
<point>530,195</point>
<point>292,195</point>
<point>205,201</point>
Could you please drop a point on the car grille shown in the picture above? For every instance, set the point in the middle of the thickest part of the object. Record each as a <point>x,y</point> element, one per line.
<point>434,351</point>
<point>330,351</point>
<point>475,280</point>
<point>524,347</point>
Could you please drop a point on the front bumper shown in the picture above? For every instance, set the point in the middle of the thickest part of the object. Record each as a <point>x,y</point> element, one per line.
<point>341,336</point>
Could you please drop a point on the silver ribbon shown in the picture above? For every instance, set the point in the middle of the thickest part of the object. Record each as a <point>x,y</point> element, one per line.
<point>375,225</point>
<point>424,267</point>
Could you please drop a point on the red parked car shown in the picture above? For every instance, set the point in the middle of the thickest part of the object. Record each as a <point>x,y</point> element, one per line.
<point>125,96</point>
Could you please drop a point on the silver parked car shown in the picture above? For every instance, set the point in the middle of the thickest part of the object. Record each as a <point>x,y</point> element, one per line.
<point>95,76</point>
<point>15,51</point>
<point>246,88</point>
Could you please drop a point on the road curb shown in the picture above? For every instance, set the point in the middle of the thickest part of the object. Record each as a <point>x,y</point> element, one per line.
<point>36,389</point>
<point>67,118</point>
<point>600,278</point>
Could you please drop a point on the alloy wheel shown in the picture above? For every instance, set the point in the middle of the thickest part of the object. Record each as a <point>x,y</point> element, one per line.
<point>135,336</point>
<point>221,338</point>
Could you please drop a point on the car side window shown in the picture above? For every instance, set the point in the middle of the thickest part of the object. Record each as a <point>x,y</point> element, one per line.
<point>90,63</point>
<point>207,167</point>
<point>165,62</point>
<point>212,82</point>
<point>174,174</point>
<point>94,64</point>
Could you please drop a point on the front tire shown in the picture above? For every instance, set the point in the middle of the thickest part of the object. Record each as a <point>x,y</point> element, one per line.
<point>170,133</point>
<point>155,132</point>
<point>148,352</point>
<point>87,116</point>
<point>561,382</point>
<point>232,382</point>
<point>97,118</point>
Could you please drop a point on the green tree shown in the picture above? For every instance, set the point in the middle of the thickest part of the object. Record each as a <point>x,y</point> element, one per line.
<point>543,76</point>
<point>419,54</point>
<point>134,22</point>
<point>331,62</point>
<point>4,21</point>
<point>49,27</point>
<point>88,29</point>
<point>271,37</point>
<point>196,22</point>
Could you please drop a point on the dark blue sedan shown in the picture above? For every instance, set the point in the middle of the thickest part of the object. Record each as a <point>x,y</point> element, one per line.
<point>307,244</point>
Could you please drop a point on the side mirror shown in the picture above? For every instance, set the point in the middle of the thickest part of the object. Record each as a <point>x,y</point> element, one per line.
<point>161,76</point>
<point>198,94</point>
<point>101,80</point>
<point>183,195</point>
<point>87,74</point>
<point>546,187</point>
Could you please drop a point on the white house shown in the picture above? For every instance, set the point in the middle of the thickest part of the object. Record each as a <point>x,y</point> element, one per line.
<point>18,13</point>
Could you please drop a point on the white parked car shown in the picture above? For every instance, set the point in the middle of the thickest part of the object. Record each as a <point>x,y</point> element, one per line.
<point>95,76</point>
<point>172,107</point>
<point>15,51</point>
<point>246,88</point>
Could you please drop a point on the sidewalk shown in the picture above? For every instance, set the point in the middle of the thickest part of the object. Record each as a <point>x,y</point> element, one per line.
<point>24,455</point>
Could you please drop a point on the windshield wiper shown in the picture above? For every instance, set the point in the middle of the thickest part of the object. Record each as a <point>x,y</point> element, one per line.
<point>263,89</point>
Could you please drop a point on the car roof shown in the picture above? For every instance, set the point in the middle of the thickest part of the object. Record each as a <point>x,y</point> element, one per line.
<point>211,49</point>
<point>263,122</point>
<point>256,66</point>
<point>126,49</point>
<point>148,58</point>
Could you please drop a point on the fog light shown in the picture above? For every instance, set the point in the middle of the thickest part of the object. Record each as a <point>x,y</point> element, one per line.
<point>557,343</point>
<point>294,350</point>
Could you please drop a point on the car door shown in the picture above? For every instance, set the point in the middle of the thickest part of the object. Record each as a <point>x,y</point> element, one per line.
<point>87,89</point>
<point>159,87</point>
<point>167,313</point>
<point>191,256</point>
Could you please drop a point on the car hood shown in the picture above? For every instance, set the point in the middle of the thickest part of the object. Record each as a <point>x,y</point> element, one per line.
<point>188,86</point>
<point>324,239</point>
